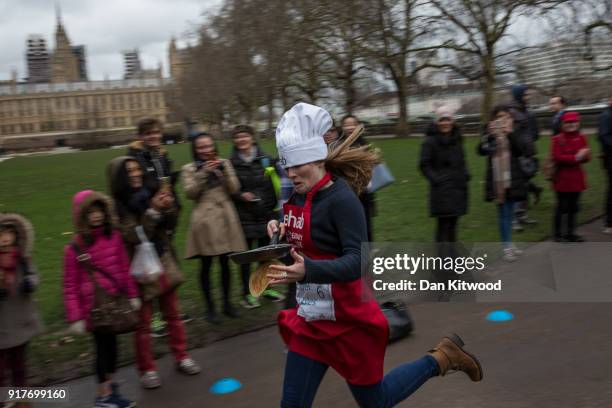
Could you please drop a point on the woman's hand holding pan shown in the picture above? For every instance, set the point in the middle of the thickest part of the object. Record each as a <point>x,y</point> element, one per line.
<point>280,274</point>
<point>273,227</point>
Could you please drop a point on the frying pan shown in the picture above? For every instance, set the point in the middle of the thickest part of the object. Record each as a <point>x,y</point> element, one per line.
<point>265,253</point>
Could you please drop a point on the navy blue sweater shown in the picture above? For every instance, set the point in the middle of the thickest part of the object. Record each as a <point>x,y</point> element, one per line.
<point>338,226</point>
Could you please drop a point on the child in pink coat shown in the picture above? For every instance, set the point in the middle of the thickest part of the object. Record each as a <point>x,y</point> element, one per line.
<point>97,235</point>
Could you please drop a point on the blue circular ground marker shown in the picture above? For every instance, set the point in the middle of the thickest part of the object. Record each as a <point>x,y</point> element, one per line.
<point>500,316</point>
<point>225,386</point>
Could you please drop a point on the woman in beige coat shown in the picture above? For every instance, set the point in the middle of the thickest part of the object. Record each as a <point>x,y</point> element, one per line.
<point>214,228</point>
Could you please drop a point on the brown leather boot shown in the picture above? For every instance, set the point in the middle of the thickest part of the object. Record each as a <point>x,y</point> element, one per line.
<point>451,356</point>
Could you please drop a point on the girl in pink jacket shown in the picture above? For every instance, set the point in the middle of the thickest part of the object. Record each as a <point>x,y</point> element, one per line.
<point>96,234</point>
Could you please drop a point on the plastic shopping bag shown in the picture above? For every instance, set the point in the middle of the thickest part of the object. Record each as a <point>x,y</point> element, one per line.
<point>145,266</point>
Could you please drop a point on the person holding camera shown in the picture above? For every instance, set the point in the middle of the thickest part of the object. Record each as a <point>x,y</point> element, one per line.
<point>214,228</point>
<point>255,202</point>
<point>506,182</point>
<point>154,215</point>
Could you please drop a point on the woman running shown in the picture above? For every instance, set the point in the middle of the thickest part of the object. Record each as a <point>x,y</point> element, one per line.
<point>337,322</point>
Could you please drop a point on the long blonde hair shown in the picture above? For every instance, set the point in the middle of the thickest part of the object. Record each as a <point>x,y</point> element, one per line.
<point>354,164</point>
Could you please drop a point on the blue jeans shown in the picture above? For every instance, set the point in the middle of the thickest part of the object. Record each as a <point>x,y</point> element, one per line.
<point>303,376</point>
<point>505,215</point>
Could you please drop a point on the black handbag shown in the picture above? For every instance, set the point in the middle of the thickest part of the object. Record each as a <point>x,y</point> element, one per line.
<point>399,319</point>
<point>529,165</point>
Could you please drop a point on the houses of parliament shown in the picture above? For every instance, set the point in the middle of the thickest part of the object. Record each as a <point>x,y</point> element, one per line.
<point>57,96</point>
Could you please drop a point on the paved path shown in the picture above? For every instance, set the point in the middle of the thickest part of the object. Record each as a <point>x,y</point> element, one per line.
<point>551,355</point>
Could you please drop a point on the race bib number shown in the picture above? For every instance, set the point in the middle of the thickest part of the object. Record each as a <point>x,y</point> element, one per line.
<point>315,301</point>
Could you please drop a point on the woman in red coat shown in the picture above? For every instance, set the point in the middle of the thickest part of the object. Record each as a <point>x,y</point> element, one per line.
<point>337,323</point>
<point>569,150</point>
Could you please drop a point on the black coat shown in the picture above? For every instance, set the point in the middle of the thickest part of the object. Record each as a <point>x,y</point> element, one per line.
<point>525,124</point>
<point>519,146</point>
<point>443,164</point>
<point>254,216</point>
<point>153,169</point>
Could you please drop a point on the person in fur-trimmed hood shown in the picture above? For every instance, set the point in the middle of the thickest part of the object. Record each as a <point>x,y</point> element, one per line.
<point>157,214</point>
<point>98,240</point>
<point>19,319</point>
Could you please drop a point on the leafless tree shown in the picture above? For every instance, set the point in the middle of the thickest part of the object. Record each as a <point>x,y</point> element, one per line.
<point>475,34</point>
<point>588,21</point>
<point>398,30</point>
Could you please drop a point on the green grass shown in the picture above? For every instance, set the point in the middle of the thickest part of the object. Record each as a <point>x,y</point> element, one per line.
<point>41,188</point>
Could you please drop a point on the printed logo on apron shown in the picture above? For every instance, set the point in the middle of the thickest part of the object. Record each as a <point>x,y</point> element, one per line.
<point>315,301</point>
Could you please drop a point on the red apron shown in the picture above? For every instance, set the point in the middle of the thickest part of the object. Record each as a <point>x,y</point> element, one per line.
<point>337,324</point>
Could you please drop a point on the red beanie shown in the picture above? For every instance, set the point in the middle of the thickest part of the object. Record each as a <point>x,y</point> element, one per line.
<point>570,117</point>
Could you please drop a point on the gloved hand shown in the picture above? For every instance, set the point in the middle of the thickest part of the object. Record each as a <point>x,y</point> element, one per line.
<point>3,294</point>
<point>77,327</point>
<point>29,284</point>
<point>136,303</point>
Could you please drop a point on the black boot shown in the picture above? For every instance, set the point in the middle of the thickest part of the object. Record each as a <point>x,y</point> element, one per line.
<point>229,311</point>
<point>211,316</point>
<point>537,194</point>
<point>575,238</point>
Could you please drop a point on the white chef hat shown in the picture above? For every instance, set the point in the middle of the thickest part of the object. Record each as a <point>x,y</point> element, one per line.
<point>299,135</point>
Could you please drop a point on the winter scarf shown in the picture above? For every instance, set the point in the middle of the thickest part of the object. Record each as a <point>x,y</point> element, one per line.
<point>248,158</point>
<point>8,267</point>
<point>502,176</point>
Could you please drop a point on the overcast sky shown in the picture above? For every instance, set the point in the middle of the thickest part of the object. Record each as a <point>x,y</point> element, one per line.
<point>105,27</point>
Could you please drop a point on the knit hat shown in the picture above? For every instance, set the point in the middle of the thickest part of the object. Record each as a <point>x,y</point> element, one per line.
<point>444,112</point>
<point>299,135</point>
<point>570,117</point>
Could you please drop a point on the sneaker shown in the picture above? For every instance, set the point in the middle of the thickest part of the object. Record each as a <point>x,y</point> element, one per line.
<point>186,318</point>
<point>607,231</point>
<point>188,366</point>
<point>516,251</point>
<point>114,388</point>
<point>527,221</point>
<point>150,380</point>
<point>250,302</point>
<point>538,195</point>
<point>122,402</point>
<point>274,295</point>
<point>509,255</point>
<point>560,238</point>
<point>113,401</point>
<point>158,327</point>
